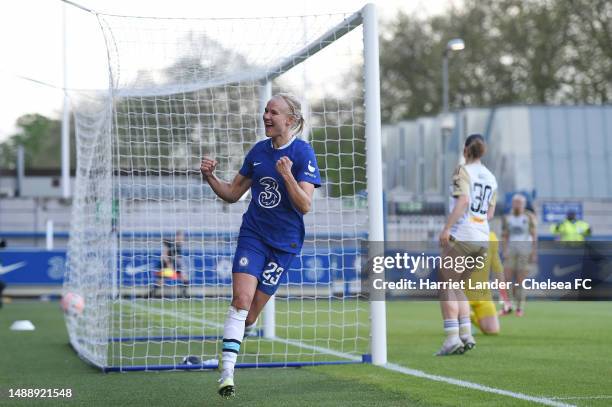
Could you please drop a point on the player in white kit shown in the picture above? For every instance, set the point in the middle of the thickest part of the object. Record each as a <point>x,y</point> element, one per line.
<point>519,242</point>
<point>465,235</point>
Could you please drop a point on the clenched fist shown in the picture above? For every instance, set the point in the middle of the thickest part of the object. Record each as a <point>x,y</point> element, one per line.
<point>283,166</point>
<point>207,167</point>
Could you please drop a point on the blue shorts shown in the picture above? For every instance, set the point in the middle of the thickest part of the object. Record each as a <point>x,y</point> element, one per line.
<point>264,262</point>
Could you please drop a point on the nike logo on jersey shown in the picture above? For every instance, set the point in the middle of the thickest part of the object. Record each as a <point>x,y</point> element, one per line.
<point>310,167</point>
<point>559,271</point>
<point>11,267</point>
<point>255,164</point>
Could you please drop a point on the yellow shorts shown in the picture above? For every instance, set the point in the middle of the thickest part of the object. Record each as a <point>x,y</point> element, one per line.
<point>483,309</point>
<point>167,273</point>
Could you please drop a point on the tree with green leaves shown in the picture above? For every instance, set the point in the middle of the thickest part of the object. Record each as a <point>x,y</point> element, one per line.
<point>517,51</point>
<point>40,137</point>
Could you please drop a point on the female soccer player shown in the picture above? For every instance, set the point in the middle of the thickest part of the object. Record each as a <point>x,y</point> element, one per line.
<point>520,241</point>
<point>282,173</point>
<point>465,235</point>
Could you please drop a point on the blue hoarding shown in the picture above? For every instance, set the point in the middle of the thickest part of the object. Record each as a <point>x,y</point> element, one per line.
<point>555,212</point>
<point>139,267</point>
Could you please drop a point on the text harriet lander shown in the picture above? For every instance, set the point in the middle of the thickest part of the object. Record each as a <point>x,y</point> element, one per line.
<point>409,263</point>
<point>528,284</point>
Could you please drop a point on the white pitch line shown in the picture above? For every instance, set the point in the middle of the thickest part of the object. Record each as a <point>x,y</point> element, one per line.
<point>317,348</point>
<point>389,366</point>
<point>474,386</point>
<point>581,398</point>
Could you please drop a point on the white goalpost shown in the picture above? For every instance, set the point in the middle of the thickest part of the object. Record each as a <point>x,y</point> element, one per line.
<point>151,246</point>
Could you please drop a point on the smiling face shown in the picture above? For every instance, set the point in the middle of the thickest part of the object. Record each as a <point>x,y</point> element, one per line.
<point>276,117</point>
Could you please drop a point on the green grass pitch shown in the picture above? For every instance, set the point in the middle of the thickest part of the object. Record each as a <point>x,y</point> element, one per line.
<point>336,324</point>
<point>559,350</point>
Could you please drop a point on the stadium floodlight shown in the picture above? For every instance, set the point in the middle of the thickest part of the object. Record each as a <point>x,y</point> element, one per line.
<point>180,89</point>
<point>456,44</point>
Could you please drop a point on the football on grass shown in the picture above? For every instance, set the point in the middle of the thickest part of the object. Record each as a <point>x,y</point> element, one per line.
<point>192,360</point>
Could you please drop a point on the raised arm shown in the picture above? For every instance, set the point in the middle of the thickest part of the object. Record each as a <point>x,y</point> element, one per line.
<point>228,191</point>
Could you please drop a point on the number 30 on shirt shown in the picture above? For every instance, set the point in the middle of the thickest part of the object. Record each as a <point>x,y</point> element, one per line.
<point>481,197</point>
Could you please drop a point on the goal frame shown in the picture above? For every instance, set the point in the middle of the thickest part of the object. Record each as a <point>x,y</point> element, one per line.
<point>367,18</point>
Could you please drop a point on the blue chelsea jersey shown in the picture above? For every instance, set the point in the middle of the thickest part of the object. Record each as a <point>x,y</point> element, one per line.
<point>271,216</point>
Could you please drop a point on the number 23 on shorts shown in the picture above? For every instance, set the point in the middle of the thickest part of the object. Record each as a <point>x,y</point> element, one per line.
<point>272,274</point>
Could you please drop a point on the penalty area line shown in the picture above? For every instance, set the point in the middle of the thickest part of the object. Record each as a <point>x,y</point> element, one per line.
<point>474,386</point>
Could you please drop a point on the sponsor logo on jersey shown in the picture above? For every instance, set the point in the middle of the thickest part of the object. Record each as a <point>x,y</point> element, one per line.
<point>311,170</point>
<point>310,167</point>
<point>256,163</point>
<point>270,197</point>
<point>243,261</point>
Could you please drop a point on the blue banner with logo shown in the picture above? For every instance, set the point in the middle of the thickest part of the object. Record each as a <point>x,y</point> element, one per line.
<point>32,267</point>
<point>556,262</point>
<point>141,267</point>
<point>555,212</point>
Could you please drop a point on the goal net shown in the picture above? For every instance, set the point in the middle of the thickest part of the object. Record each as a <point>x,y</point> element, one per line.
<point>151,246</point>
